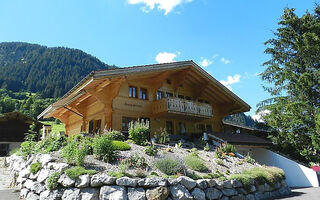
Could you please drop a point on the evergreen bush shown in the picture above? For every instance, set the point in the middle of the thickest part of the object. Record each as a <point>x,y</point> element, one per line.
<point>139,132</point>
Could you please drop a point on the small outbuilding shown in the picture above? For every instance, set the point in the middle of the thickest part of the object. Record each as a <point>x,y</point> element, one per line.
<point>13,126</point>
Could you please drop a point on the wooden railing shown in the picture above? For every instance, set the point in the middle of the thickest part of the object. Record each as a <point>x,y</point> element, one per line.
<point>182,106</point>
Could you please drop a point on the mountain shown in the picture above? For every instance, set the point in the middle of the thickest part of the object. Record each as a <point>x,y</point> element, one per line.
<point>50,72</point>
<point>241,119</point>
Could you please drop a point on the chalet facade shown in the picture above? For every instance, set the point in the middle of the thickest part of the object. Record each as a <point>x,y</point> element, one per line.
<point>178,96</point>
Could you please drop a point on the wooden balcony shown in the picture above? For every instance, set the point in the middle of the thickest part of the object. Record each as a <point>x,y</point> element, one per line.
<point>181,107</point>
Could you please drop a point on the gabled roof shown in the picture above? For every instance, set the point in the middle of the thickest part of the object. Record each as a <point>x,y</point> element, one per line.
<point>144,69</point>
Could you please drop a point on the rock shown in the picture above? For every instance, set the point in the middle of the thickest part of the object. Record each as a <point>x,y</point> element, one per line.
<point>82,181</point>
<point>71,194</point>
<point>227,184</point>
<point>20,180</point>
<point>187,182</point>
<point>113,193</point>
<point>158,193</point>
<point>267,195</point>
<point>213,193</point>
<point>89,194</point>
<point>202,183</point>
<point>25,173</point>
<point>261,188</point>
<point>259,195</point>
<point>126,181</point>
<point>236,183</point>
<point>252,188</point>
<point>275,194</point>
<point>242,191</point>
<point>284,191</point>
<point>211,182</point>
<point>32,196</point>
<point>249,197</point>
<point>172,181</point>
<point>45,158</point>
<point>57,166</point>
<point>28,184</point>
<point>198,194</point>
<point>102,179</point>
<point>34,176</point>
<point>38,187</point>
<point>224,198</point>
<point>284,183</point>
<point>24,192</point>
<point>136,193</point>
<point>66,181</point>
<point>229,192</point>
<point>267,187</point>
<point>152,182</point>
<point>51,195</point>
<point>179,192</point>
<point>43,175</point>
<point>277,185</point>
<point>238,197</point>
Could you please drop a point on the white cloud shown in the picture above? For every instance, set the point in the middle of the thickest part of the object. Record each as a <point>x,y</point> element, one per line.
<point>166,57</point>
<point>224,60</point>
<point>166,5</point>
<point>259,116</point>
<point>231,80</point>
<point>205,62</point>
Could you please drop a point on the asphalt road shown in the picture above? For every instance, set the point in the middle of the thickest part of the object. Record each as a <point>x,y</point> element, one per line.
<point>305,194</point>
<point>9,194</point>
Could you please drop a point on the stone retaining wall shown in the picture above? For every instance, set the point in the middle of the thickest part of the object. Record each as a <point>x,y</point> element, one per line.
<point>101,186</point>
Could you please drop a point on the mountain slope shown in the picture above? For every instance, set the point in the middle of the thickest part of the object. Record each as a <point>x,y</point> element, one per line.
<point>50,72</point>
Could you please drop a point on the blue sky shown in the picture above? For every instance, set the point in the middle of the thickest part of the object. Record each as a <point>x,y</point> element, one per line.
<point>224,37</point>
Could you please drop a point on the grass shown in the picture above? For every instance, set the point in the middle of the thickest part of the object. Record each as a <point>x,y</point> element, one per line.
<point>195,163</point>
<point>57,128</point>
<point>75,172</point>
<point>35,167</point>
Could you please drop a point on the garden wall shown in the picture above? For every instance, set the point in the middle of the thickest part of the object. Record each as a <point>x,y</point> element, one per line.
<point>102,186</point>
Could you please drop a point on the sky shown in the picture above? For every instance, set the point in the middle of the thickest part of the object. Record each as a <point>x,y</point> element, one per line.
<point>224,37</point>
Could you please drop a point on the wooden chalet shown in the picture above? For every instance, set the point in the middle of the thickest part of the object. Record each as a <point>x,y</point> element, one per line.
<point>178,96</point>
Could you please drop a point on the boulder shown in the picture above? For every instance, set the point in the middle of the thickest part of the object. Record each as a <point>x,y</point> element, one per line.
<point>82,181</point>
<point>57,166</point>
<point>25,173</point>
<point>33,176</point>
<point>236,183</point>
<point>267,187</point>
<point>102,179</point>
<point>249,197</point>
<point>126,181</point>
<point>229,192</point>
<point>136,193</point>
<point>187,182</point>
<point>237,197</point>
<point>202,183</point>
<point>198,194</point>
<point>211,182</point>
<point>227,184</point>
<point>66,181</point>
<point>284,191</point>
<point>32,196</point>
<point>38,187</point>
<point>158,193</point>
<point>213,193</point>
<point>152,182</point>
<point>71,194</point>
<point>172,181</point>
<point>89,194</point>
<point>179,192</point>
<point>28,184</point>
<point>51,195</point>
<point>45,158</point>
<point>24,192</point>
<point>43,175</point>
<point>259,195</point>
<point>113,193</point>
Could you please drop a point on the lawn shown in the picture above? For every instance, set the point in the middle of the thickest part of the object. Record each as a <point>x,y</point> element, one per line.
<point>57,128</point>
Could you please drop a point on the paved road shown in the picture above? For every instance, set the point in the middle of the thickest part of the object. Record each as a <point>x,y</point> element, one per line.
<point>304,194</point>
<point>9,194</point>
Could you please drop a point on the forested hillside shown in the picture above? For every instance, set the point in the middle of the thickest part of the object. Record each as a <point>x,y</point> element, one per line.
<point>50,72</point>
<point>241,119</point>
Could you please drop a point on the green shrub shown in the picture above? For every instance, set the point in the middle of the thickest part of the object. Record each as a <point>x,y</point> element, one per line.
<point>27,148</point>
<point>14,151</point>
<point>162,136</point>
<point>35,167</point>
<point>115,135</point>
<point>194,152</point>
<point>135,161</point>
<point>219,161</point>
<point>217,174</point>
<point>139,132</point>
<point>169,166</point>
<point>179,145</point>
<point>75,172</point>
<point>248,159</point>
<point>52,143</point>
<point>52,181</point>
<point>195,163</point>
<point>194,176</point>
<point>123,166</point>
<point>121,146</point>
<point>245,179</point>
<point>206,148</point>
<point>151,150</point>
<point>74,152</point>
<point>103,148</point>
<point>224,149</point>
<point>118,174</point>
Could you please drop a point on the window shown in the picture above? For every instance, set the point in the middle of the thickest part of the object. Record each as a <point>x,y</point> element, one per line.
<point>168,94</point>
<point>182,127</point>
<point>201,127</point>
<point>169,127</point>
<point>133,92</point>
<point>160,95</point>
<point>168,81</point>
<point>144,119</point>
<point>125,123</point>
<point>209,128</point>
<point>94,126</point>
<point>143,94</point>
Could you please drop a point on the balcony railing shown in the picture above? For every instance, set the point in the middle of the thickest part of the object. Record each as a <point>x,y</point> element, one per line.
<point>177,105</point>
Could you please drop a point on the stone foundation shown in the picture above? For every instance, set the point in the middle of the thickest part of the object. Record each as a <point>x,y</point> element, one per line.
<point>101,186</point>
